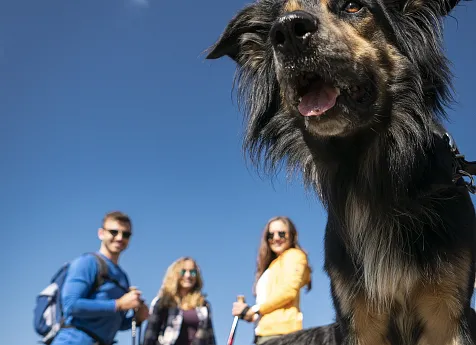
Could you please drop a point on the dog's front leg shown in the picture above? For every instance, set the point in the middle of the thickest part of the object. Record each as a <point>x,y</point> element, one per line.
<point>367,326</point>
<point>361,323</point>
<point>440,308</point>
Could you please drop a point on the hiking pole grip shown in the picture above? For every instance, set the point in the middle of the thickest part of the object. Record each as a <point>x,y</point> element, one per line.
<point>231,337</point>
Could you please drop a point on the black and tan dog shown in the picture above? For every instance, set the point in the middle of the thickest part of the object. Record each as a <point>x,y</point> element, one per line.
<point>352,94</point>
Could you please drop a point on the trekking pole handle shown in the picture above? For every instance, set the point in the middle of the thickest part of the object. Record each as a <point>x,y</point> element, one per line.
<point>231,336</point>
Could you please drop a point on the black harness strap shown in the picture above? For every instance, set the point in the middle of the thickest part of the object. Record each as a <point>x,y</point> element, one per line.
<point>463,171</point>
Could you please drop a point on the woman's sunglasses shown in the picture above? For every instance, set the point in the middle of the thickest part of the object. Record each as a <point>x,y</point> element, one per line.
<point>125,234</point>
<point>193,273</point>
<point>281,234</point>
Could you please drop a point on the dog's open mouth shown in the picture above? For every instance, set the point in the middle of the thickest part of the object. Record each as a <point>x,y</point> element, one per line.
<point>316,95</point>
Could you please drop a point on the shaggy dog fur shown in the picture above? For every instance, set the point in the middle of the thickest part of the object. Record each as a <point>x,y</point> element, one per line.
<point>323,335</point>
<point>352,95</point>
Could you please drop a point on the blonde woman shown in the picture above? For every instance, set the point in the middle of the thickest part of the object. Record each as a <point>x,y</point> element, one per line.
<point>180,314</point>
<point>282,270</point>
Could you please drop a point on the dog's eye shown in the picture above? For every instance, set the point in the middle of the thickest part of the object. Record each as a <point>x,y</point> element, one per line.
<point>352,7</point>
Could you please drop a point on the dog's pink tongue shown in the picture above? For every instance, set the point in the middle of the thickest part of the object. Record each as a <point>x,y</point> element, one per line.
<point>316,102</point>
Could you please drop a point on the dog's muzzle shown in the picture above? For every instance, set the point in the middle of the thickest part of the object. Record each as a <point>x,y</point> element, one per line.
<point>291,33</point>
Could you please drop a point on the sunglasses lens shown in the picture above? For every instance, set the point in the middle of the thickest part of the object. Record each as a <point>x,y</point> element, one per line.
<point>193,273</point>
<point>281,234</point>
<point>125,234</point>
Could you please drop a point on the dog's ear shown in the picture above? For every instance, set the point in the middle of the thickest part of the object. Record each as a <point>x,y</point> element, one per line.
<point>439,7</point>
<point>229,42</point>
<point>444,7</point>
<point>450,5</point>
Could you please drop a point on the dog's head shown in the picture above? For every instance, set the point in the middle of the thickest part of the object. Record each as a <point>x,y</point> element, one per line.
<point>338,67</point>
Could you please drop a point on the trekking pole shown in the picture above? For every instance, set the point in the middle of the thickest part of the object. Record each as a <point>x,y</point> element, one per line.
<point>134,322</point>
<point>231,337</point>
<point>134,329</point>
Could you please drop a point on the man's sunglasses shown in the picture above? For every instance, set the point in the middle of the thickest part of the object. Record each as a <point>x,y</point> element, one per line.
<point>281,234</point>
<point>193,273</point>
<point>114,233</point>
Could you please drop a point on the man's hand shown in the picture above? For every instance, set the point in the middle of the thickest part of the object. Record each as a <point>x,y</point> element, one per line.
<point>238,308</point>
<point>142,313</point>
<point>130,300</point>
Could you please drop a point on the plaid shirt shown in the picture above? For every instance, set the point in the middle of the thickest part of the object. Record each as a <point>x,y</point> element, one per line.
<point>163,326</point>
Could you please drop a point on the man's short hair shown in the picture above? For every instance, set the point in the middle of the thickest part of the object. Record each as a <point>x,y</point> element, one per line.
<point>120,217</point>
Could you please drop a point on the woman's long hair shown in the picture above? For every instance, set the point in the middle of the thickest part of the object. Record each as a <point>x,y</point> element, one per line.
<point>266,255</point>
<point>168,295</point>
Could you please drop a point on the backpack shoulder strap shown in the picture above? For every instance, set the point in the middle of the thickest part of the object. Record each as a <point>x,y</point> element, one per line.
<point>102,274</point>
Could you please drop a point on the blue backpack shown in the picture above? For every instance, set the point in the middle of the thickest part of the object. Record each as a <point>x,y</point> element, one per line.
<point>48,312</point>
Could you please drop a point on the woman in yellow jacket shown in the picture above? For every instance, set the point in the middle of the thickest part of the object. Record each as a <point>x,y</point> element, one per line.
<point>282,270</point>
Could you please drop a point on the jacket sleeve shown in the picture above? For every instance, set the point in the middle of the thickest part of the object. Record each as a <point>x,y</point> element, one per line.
<point>154,323</point>
<point>295,268</point>
<point>78,283</point>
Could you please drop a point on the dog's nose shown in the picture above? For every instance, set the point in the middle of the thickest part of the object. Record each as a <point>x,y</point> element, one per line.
<point>292,31</point>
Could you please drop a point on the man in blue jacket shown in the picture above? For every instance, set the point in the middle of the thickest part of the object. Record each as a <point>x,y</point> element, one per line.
<point>95,318</point>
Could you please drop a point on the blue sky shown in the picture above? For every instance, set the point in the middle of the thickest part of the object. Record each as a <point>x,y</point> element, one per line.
<point>110,105</point>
